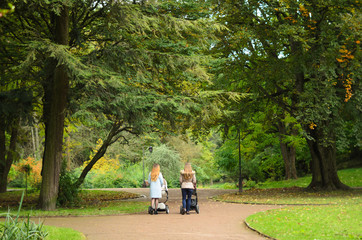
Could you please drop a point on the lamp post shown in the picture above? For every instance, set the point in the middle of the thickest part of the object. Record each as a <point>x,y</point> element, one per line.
<point>150,149</point>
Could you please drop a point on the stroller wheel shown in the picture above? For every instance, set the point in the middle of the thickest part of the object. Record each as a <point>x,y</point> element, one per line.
<point>197,209</point>
<point>150,210</point>
<point>167,209</point>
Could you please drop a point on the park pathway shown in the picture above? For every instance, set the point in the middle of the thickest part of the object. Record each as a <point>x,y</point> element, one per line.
<point>217,220</point>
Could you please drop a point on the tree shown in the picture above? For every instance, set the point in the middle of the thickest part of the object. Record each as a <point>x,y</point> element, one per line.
<point>55,94</point>
<point>151,86</point>
<point>14,105</point>
<point>108,46</point>
<point>288,150</point>
<point>301,56</point>
<point>16,100</point>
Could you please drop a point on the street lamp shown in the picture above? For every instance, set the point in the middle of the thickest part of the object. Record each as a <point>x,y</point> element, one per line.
<point>150,149</point>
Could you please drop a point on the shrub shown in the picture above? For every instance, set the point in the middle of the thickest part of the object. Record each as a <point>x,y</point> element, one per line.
<point>13,229</point>
<point>130,176</point>
<point>169,161</point>
<point>28,169</point>
<point>68,193</point>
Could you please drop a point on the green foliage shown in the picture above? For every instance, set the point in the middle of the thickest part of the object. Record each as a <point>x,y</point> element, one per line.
<point>169,161</point>
<point>271,164</point>
<point>219,185</point>
<point>297,58</point>
<point>14,229</point>
<point>97,179</point>
<point>131,177</point>
<point>125,175</point>
<point>68,195</point>
<point>260,156</point>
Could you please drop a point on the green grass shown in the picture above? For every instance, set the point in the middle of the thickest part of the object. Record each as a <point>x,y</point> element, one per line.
<point>60,233</point>
<point>351,177</point>
<point>310,222</point>
<point>15,227</point>
<point>94,202</point>
<point>101,209</point>
<point>338,218</point>
<point>293,196</point>
<point>219,186</point>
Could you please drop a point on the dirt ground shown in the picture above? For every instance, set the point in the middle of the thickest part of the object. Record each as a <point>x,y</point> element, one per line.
<point>217,220</point>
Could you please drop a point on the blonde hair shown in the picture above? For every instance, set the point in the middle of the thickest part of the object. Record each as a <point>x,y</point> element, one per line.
<point>155,172</point>
<point>188,174</point>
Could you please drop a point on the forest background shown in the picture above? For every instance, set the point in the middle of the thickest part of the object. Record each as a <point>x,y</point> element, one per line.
<point>247,91</point>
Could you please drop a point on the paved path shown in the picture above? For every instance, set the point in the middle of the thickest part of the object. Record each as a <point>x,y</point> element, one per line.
<point>217,220</point>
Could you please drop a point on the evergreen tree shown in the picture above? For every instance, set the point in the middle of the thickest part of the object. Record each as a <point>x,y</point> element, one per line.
<point>129,65</point>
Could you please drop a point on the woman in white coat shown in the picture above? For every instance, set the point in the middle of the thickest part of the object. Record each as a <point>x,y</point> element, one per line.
<point>155,179</point>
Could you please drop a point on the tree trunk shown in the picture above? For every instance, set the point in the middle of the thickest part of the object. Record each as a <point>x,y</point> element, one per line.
<point>7,157</point>
<point>111,138</point>
<point>54,112</point>
<point>288,153</point>
<point>3,176</point>
<point>323,165</point>
<point>100,153</point>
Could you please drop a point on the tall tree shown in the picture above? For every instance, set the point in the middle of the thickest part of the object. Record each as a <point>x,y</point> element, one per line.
<point>302,56</point>
<point>15,104</point>
<point>54,110</point>
<point>154,75</point>
<point>16,98</point>
<point>105,46</point>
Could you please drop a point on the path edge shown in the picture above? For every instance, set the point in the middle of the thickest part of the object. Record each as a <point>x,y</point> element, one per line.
<point>257,231</point>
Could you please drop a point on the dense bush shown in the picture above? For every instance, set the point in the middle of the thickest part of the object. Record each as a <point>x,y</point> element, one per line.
<point>170,163</point>
<point>26,173</point>
<point>130,176</point>
<point>68,193</point>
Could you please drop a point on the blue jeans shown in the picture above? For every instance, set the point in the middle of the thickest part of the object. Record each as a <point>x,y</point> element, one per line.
<point>186,203</point>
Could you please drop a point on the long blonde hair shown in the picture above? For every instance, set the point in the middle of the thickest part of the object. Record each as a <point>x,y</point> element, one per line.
<point>188,174</point>
<point>155,172</point>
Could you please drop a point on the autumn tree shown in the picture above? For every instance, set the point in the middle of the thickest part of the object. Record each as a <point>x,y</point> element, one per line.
<point>303,57</point>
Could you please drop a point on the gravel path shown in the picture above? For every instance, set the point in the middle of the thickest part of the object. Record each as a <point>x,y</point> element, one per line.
<point>217,220</point>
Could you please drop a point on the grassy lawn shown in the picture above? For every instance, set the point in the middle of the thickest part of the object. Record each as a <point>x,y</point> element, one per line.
<point>310,222</point>
<point>293,196</point>
<point>93,202</point>
<point>351,177</point>
<point>322,215</point>
<point>60,233</point>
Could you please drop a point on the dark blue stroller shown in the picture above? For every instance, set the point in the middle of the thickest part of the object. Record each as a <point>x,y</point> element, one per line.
<point>194,203</point>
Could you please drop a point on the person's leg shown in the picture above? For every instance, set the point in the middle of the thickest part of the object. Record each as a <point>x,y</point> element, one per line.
<point>184,191</point>
<point>156,205</point>
<point>152,205</point>
<point>189,194</point>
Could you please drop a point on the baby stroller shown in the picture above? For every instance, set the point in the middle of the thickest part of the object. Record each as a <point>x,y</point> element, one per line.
<point>194,203</point>
<point>162,205</point>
